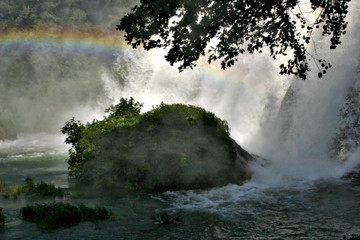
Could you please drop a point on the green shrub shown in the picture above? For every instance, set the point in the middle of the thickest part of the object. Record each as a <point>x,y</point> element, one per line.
<point>2,219</point>
<point>55,215</point>
<point>47,190</point>
<point>5,190</point>
<point>42,190</point>
<point>8,191</point>
<point>29,186</point>
<point>51,215</point>
<point>92,214</point>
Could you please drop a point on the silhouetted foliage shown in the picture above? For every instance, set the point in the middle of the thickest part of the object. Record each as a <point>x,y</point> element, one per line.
<point>55,215</point>
<point>188,27</point>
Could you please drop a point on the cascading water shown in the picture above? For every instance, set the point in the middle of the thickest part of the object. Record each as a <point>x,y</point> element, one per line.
<point>295,193</point>
<point>289,121</point>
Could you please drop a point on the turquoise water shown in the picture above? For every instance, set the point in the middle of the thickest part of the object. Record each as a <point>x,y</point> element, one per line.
<point>301,210</point>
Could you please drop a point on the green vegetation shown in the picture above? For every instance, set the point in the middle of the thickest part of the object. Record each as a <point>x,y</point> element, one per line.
<point>171,147</point>
<point>7,191</point>
<point>41,189</point>
<point>93,214</point>
<point>2,219</point>
<point>38,190</point>
<point>55,215</point>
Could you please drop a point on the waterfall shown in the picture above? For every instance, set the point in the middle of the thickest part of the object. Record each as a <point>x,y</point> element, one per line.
<point>286,120</point>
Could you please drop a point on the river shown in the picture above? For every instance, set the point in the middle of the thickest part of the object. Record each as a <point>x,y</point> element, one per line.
<point>288,209</point>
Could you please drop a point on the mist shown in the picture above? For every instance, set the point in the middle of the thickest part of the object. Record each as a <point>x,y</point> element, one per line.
<point>284,119</point>
<point>292,172</point>
<point>287,120</point>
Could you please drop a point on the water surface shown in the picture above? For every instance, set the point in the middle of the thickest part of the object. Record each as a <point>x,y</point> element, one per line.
<point>323,209</point>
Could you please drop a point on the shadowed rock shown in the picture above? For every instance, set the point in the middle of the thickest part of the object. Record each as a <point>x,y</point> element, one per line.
<point>172,147</point>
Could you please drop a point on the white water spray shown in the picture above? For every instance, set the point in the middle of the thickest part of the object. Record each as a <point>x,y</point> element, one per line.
<point>249,96</point>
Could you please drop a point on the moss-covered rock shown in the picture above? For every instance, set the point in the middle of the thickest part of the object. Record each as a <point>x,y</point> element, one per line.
<point>172,147</point>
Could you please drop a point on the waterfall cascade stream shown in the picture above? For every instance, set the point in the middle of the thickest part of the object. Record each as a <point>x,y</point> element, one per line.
<point>296,193</point>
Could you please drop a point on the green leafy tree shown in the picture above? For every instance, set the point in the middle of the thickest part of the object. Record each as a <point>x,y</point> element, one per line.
<point>187,28</point>
<point>126,108</point>
<point>74,131</point>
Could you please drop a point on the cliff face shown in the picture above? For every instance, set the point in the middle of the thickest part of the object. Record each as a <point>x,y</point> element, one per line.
<point>172,147</point>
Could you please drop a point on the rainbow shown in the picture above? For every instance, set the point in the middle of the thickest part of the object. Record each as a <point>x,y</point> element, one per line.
<point>85,39</point>
<point>89,41</point>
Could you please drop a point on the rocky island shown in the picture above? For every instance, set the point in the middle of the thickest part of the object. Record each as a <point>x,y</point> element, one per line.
<point>172,147</point>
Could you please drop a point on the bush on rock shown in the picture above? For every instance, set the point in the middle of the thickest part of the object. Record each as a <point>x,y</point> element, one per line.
<point>171,147</point>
